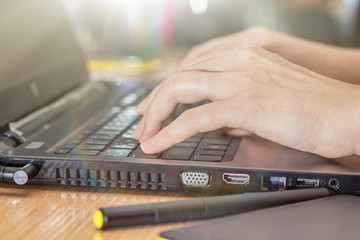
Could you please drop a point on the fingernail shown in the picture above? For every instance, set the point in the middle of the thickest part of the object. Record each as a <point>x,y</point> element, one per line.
<point>148,145</point>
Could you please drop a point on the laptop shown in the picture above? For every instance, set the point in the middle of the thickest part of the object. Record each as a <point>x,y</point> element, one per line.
<point>59,128</point>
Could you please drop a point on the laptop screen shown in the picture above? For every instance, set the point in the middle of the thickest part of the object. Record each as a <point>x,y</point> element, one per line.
<point>40,59</point>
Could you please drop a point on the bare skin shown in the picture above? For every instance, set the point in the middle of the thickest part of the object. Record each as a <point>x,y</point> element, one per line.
<point>331,61</point>
<point>254,91</point>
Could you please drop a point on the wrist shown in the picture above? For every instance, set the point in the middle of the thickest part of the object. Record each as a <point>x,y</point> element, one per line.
<point>340,119</point>
<point>291,48</point>
<point>357,125</point>
<point>354,119</point>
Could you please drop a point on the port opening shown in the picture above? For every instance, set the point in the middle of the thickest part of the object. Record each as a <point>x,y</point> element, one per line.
<point>307,182</point>
<point>195,179</point>
<point>236,178</point>
<point>334,183</point>
<point>273,183</point>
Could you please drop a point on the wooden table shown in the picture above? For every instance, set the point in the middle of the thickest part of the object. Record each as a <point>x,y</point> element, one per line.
<point>56,212</point>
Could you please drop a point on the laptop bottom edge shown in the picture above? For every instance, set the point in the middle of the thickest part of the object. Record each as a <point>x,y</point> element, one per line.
<point>172,177</point>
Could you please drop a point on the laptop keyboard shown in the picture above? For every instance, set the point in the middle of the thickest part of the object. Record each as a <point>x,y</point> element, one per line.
<point>110,136</point>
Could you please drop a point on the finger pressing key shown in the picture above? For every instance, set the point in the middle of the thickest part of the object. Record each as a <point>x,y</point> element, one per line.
<point>200,119</point>
<point>182,87</point>
<point>143,105</point>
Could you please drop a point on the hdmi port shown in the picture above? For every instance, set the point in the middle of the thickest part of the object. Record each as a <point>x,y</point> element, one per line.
<point>236,178</point>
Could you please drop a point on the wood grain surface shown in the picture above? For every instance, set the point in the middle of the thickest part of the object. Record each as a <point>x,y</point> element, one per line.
<point>56,212</point>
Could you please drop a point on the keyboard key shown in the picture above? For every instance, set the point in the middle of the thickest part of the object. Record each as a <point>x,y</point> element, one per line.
<point>63,151</point>
<point>85,152</point>
<point>138,153</point>
<point>186,144</point>
<point>180,153</point>
<point>207,158</point>
<point>118,124</point>
<point>97,141</point>
<point>129,99</point>
<point>91,147</point>
<point>214,134</point>
<point>127,135</point>
<point>117,152</point>
<point>125,141</point>
<point>124,145</point>
<point>107,132</point>
<point>112,128</point>
<point>214,147</point>
<point>211,152</point>
<point>103,136</point>
<point>200,135</point>
<point>216,141</point>
<point>193,139</point>
<point>114,110</point>
<point>70,145</point>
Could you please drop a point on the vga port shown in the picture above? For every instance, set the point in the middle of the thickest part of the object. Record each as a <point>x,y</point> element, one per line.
<point>195,179</point>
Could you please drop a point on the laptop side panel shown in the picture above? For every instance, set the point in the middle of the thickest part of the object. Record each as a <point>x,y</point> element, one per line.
<point>146,174</point>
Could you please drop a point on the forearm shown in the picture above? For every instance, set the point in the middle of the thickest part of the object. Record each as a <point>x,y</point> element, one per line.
<point>356,120</point>
<point>335,62</point>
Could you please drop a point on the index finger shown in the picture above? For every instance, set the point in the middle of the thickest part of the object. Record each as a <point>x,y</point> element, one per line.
<point>143,105</point>
<point>183,87</point>
<point>204,118</point>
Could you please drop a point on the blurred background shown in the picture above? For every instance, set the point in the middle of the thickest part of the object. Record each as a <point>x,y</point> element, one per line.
<point>150,28</point>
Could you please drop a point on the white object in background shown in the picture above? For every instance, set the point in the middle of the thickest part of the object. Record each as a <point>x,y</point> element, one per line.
<point>199,6</point>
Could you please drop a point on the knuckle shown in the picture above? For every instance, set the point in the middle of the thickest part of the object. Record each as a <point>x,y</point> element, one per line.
<point>194,50</point>
<point>257,29</point>
<point>173,81</point>
<point>168,135</point>
<point>250,52</point>
<point>165,136</point>
<point>152,116</point>
<point>190,116</point>
<point>229,111</point>
<point>249,48</point>
<point>261,32</point>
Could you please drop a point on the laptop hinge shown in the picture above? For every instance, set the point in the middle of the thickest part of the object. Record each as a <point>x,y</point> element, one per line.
<point>28,125</point>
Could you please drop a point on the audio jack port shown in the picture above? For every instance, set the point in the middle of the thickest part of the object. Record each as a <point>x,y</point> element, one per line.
<point>334,183</point>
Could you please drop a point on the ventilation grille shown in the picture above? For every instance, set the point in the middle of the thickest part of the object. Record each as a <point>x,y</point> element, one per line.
<point>110,178</point>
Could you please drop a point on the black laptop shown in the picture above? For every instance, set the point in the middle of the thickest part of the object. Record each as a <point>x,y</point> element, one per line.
<point>59,128</point>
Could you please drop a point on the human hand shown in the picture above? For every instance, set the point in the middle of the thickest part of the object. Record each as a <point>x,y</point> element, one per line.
<point>331,61</point>
<point>257,91</point>
<point>255,36</point>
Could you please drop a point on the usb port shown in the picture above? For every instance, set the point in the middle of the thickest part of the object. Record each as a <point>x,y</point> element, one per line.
<point>236,178</point>
<point>307,182</point>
